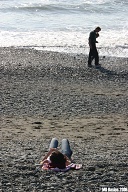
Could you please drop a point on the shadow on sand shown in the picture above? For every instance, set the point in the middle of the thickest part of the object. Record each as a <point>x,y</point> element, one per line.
<point>106,71</point>
<point>110,73</point>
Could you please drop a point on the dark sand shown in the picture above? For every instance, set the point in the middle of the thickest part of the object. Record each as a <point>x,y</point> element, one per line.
<point>47,94</point>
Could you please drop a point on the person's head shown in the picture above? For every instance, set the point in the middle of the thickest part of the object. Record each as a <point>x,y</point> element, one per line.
<point>58,160</point>
<point>97,29</point>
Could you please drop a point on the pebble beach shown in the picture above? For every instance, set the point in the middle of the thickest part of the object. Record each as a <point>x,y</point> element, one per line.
<point>48,94</point>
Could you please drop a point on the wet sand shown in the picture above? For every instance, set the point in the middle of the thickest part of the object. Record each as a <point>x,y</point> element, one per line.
<point>47,94</point>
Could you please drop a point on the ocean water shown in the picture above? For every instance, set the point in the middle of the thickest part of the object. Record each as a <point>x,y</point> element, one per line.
<point>64,25</point>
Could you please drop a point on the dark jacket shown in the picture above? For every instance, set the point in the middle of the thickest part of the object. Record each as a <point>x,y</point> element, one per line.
<point>92,38</point>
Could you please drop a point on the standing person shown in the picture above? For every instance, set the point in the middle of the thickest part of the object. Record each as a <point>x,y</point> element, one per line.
<point>93,53</point>
<point>59,161</point>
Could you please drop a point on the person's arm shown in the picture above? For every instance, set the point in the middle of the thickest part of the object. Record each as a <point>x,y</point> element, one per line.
<point>44,161</point>
<point>68,161</point>
<point>97,35</point>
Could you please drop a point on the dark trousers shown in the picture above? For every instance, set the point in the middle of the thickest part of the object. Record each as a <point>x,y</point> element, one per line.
<point>93,54</point>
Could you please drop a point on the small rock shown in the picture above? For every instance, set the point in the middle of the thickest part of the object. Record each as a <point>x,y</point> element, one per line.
<point>91,169</point>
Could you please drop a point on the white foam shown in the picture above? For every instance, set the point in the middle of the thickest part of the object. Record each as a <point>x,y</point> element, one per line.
<point>110,43</point>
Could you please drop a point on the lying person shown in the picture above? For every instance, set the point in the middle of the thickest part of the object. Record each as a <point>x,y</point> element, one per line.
<point>59,161</point>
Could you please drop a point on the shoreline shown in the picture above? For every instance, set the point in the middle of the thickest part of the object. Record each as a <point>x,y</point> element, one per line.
<point>15,58</point>
<point>35,82</point>
<point>47,94</point>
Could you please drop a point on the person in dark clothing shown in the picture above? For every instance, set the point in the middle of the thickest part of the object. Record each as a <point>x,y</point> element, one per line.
<point>93,53</point>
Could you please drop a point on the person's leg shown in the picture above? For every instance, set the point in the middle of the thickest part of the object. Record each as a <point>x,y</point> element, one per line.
<point>96,58</point>
<point>65,148</point>
<point>90,57</point>
<point>53,143</point>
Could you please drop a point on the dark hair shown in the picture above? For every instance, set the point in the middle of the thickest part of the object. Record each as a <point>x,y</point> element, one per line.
<point>57,160</point>
<point>98,28</point>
